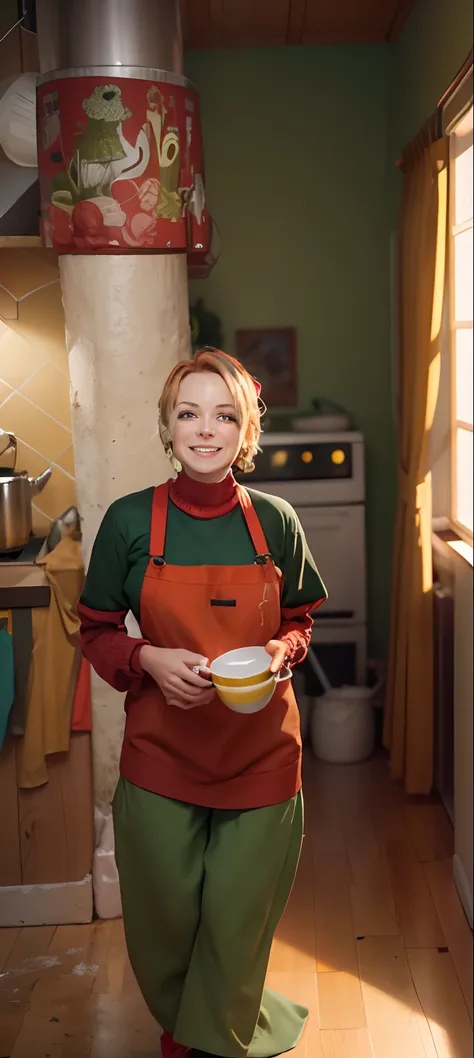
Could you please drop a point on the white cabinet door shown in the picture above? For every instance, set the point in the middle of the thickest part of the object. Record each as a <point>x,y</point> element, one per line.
<point>336,539</point>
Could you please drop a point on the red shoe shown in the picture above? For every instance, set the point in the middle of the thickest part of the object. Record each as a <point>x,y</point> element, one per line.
<point>171,1049</point>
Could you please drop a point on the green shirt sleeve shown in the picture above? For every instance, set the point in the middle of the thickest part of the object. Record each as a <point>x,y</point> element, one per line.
<point>302,582</point>
<point>106,577</point>
<point>120,555</point>
<point>286,540</point>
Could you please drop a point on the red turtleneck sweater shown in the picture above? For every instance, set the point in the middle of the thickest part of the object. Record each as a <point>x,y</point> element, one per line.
<point>202,500</point>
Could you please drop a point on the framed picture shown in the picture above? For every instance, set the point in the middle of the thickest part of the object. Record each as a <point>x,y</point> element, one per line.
<point>270,355</point>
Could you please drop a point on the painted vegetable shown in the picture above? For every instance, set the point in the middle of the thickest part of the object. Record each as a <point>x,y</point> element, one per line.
<point>149,194</point>
<point>125,193</point>
<point>61,228</point>
<point>87,217</point>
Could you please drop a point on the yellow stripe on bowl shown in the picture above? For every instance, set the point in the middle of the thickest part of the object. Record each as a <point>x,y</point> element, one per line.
<point>247,696</point>
<point>241,681</point>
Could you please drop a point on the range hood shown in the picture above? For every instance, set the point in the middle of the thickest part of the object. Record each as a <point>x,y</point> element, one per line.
<point>19,199</point>
<point>19,185</point>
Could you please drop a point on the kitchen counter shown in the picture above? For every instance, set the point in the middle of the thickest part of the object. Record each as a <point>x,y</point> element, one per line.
<point>47,839</point>
<point>22,582</point>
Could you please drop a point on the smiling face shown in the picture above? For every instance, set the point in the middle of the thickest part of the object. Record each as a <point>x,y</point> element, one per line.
<point>205,429</point>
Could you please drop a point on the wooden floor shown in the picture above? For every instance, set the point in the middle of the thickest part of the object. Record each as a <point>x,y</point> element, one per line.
<point>374,941</point>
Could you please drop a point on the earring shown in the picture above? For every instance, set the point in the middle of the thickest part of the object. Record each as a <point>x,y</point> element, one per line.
<point>175,463</point>
<point>245,464</point>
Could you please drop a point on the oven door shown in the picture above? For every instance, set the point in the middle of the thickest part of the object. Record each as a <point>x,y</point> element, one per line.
<point>336,539</point>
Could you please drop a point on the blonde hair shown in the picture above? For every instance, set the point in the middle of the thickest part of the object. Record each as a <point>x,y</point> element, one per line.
<point>244,390</point>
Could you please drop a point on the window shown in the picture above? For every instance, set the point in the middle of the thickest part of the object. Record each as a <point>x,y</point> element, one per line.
<point>461,300</point>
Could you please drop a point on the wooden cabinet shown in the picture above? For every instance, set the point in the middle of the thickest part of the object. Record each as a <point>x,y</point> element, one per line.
<point>47,834</point>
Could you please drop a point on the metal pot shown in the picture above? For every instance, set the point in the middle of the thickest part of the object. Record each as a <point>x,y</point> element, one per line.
<point>17,491</point>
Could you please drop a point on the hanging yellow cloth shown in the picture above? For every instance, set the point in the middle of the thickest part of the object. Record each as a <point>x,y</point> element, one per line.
<point>6,621</point>
<point>54,665</point>
<point>408,722</point>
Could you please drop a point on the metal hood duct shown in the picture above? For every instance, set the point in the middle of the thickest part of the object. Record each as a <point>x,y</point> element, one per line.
<point>120,151</point>
<point>85,33</point>
<point>19,199</point>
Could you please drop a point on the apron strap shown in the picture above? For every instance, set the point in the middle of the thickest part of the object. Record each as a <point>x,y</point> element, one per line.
<point>254,527</point>
<point>159,515</point>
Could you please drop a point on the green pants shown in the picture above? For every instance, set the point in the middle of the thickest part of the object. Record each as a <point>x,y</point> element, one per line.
<point>203,891</point>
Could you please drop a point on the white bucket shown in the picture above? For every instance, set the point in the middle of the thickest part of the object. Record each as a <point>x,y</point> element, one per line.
<point>343,725</point>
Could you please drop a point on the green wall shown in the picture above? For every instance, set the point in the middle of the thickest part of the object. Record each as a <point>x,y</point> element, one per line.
<point>300,148</point>
<point>296,175</point>
<point>430,51</point>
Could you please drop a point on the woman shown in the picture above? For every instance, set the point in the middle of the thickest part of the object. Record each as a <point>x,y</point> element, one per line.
<point>208,809</point>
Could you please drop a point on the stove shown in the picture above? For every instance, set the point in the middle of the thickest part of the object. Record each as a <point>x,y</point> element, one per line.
<point>23,556</point>
<point>323,477</point>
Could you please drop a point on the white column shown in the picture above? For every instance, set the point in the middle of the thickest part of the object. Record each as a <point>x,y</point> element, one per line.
<point>127,324</point>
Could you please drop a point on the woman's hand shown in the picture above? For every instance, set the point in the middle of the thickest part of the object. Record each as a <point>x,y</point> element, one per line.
<point>277,651</point>
<point>173,671</point>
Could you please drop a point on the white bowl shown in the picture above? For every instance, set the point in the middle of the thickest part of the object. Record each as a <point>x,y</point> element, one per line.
<point>248,699</point>
<point>245,664</point>
<point>251,699</point>
<point>256,707</point>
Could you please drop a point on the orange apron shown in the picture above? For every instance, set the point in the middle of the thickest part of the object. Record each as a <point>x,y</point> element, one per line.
<point>211,756</point>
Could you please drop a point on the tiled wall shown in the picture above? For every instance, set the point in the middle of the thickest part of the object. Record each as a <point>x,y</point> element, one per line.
<point>34,380</point>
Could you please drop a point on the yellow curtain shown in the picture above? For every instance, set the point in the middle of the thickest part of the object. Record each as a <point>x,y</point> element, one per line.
<point>408,721</point>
